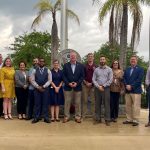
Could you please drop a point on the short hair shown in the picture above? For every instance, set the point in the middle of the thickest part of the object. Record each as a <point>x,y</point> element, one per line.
<point>102,56</point>
<point>56,60</point>
<point>41,58</point>
<point>135,56</point>
<point>22,62</point>
<point>90,54</point>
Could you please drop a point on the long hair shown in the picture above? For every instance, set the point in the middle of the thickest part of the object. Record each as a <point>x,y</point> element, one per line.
<point>4,64</point>
<point>117,62</point>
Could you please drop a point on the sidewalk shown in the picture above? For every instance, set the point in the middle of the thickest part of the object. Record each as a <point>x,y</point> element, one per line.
<point>22,135</point>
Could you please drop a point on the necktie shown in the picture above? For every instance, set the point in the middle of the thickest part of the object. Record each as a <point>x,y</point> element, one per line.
<point>41,70</point>
<point>131,71</point>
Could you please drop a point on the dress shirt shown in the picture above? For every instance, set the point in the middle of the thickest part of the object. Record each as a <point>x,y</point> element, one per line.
<point>147,80</point>
<point>73,67</point>
<point>102,76</point>
<point>46,84</point>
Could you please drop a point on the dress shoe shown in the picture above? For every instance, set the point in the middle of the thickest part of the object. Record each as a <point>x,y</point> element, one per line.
<point>113,120</point>
<point>65,120</point>
<point>148,124</point>
<point>28,118</point>
<point>6,117</point>
<point>58,120</point>
<point>9,116</point>
<point>35,120</point>
<point>127,122</point>
<point>47,121</point>
<point>52,120</point>
<point>78,120</point>
<point>97,121</point>
<point>20,117</point>
<point>107,123</point>
<point>135,124</point>
<point>23,116</point>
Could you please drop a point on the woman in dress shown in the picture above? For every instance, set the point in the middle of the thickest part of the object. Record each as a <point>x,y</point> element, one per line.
<point>21,83</point>
<point>8,87</point>
<point>56,91</point>
<point>115,89</point>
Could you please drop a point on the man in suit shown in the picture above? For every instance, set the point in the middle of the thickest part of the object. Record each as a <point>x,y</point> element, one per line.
<point>73,75</point>
<point>133,76</point>
<point>41,79</point>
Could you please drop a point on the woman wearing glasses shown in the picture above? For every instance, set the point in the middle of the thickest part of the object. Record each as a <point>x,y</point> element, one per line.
<point>116,89</point>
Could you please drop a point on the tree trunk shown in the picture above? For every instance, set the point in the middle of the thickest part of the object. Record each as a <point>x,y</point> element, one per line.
<point>55,39</point>
<point>111,28</point>
<point>123,36</point>
<point>117,28</point>
<point>134,35</point>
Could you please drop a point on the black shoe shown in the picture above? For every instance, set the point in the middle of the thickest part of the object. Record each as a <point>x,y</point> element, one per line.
<point>52,120</point>
<point>47,121</point>
<point>127,122</point>
<point>135,124</point>
<point>35,120</point>
<point>28,118</point>
<point>57,120</point>
<point>97,122</point>
<point>107,123</point>
<point>113,120</point>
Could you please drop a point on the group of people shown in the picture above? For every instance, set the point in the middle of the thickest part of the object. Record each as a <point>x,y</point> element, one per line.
<point>41,90</point>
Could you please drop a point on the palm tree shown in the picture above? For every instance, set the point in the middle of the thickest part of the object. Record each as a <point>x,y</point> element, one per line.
<point>47,7</point>
<point>119,27</point>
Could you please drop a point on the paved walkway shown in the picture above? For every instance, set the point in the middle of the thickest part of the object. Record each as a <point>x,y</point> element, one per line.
<point>22,135</point>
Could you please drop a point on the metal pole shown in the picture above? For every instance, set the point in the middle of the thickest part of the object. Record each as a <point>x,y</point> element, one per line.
<point>64,26</point>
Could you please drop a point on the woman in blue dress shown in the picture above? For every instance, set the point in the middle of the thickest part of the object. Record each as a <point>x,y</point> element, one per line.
<point>56,91</point>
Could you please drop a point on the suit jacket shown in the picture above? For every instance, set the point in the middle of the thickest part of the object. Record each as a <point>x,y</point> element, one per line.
<point>69,76</point>
<point>20,79</point>
<point>135,79</point>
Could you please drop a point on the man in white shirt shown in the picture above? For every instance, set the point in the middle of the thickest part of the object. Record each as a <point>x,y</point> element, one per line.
<point>41,79</point>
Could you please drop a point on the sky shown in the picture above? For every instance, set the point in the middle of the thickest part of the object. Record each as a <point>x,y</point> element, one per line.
<point>16,17</point>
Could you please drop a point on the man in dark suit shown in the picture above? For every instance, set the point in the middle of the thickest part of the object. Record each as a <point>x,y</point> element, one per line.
<point>133,76</point>
<point>73,75</point>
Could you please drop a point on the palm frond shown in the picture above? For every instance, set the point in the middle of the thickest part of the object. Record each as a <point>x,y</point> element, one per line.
<point>105,9</point>
<point>146,2</point>
<point>44,5</point>
<point>57,5</point>
<point>136,13</point>
<point>95,1</point>
<point>38,19</point>
<point>73,16</point>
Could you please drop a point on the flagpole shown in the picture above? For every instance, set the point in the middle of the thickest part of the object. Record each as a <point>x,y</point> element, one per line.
<point>64,26</point>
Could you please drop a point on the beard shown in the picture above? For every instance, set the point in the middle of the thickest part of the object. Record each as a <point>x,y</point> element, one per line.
<point>102,63</point>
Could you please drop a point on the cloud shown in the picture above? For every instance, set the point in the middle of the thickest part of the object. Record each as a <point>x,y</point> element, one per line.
<point>17,15</point>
